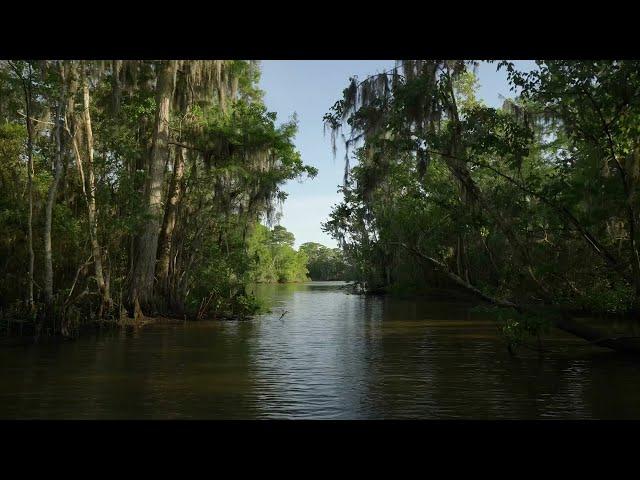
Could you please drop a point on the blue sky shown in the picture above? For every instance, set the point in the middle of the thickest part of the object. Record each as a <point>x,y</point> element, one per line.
<point>309,88</point>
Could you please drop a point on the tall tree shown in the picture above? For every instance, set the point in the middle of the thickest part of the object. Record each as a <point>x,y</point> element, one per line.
<point>26,79</point>
<point>142,277</point>
<point>53,188</point>
<point>526,187</point>
<point>78,78</point>
<point>126,124</point>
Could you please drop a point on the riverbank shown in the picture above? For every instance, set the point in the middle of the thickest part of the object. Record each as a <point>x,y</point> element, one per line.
<point>332,356</point>
<point>619,331</point>
<point>465,297</point>
<point>15,337</point>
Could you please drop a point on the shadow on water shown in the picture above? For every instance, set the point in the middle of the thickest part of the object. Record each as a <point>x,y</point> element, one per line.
<point>332,355</point>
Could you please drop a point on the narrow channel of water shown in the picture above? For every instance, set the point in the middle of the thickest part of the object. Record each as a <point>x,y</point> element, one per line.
<point>331,356</point>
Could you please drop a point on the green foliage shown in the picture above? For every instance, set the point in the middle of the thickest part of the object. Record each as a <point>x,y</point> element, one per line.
<point>220,290</point>
<point>273,258</point>
<point>13,211</point>
<point>235,154</point>
<point>516,327</point>
<point>325,263</point>
<point>535,202</point>
<point>614,298</point>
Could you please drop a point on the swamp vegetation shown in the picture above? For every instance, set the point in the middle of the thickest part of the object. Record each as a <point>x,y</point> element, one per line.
<point>136,188</point>
<point>133,189</point>
<point>531,208</point>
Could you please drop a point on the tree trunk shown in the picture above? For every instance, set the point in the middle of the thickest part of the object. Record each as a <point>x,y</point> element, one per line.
<point>116,66</point>
<point>166,233</point>
<point>635,257</point>
<point>142,279</point>
<point>629,190</point>
<point>51,198</point>
<point>27,87</point>
<point>88,183</point>
<point>91,184</point>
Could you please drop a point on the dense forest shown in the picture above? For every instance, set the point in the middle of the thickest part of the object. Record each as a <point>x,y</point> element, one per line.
<point>487,247</point>
<point>136,188</point>
<point>144,188</point>
<point>531,204</point>
<point>274,258</point>
<point>324,263</point>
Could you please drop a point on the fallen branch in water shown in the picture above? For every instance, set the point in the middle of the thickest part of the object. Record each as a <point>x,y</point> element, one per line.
<point>629,344</point>
<point>459,281</point>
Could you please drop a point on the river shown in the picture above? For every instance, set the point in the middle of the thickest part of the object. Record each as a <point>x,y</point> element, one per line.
<point>331,356</point>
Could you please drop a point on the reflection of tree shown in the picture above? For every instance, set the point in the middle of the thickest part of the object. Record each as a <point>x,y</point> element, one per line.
<point>313,362</point>
<point>332,356</point>
<point>430,360</point>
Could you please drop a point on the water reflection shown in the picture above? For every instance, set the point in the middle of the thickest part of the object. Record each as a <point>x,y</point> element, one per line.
<point>332,355</point>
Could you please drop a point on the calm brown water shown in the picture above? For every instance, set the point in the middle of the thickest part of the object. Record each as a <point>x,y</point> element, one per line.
<point>332,356</point>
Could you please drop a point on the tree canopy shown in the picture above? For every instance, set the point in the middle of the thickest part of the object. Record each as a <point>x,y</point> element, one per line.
<point>325,263</point>
<point>132,187</point>
<point>531,203</point>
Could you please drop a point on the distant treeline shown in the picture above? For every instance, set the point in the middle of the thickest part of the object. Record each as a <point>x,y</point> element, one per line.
<point>326,263</point>
<point>274,259</point>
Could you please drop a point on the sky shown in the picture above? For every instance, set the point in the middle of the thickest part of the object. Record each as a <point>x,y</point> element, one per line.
<point>309,88</point>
